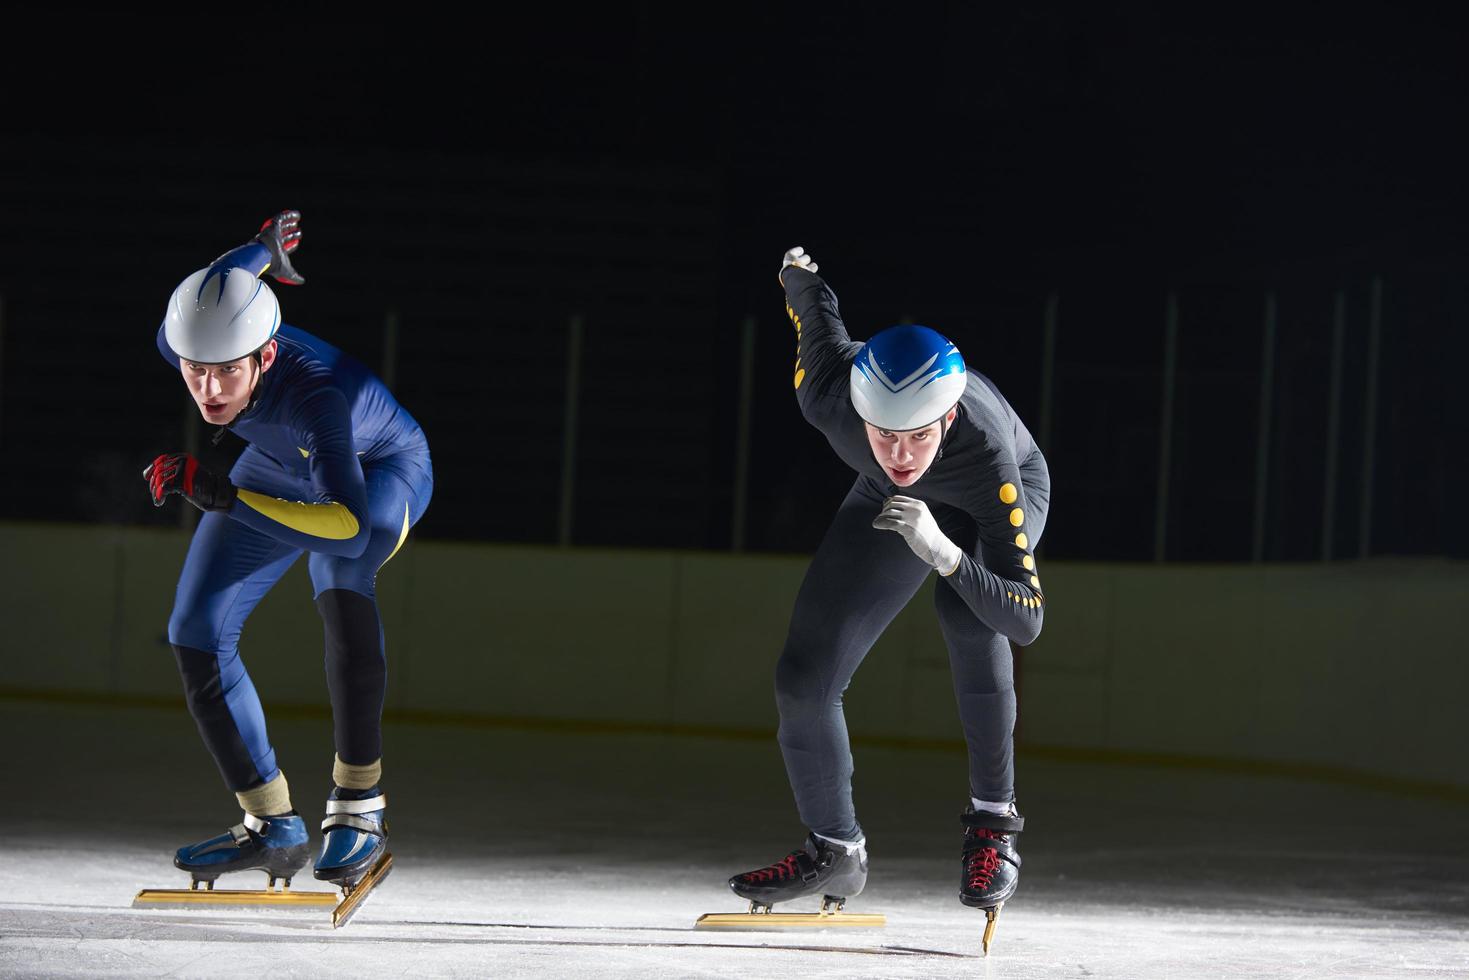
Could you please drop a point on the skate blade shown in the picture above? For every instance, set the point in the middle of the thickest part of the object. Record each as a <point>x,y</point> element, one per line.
<point>232,898</point>
<point>791,920</point>
<point>356,894</point>
<point>991,919</point>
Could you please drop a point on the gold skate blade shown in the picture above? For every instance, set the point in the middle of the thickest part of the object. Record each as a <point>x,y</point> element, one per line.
<point>357,894</point>
<point>791,920</point>
<point>991,919</point>
<point>230,898</point>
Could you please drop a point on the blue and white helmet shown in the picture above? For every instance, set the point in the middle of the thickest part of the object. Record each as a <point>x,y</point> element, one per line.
<point>906,377</point>
<point>220,314</point>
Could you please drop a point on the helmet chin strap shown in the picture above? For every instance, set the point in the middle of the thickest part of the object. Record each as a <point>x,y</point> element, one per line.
<point>259,373</point>
<point>944,431</point>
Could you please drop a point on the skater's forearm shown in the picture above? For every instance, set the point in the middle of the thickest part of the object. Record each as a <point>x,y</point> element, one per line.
<point>1013,609</point>
<point>330,528</point>
<point>336,521</point>
<point>252,257</point>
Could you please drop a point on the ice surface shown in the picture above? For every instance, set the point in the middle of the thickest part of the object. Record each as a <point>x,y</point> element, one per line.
<point>532,853</point>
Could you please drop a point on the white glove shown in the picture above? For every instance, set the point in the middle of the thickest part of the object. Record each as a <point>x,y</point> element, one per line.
<point>797,257</point>
<point>911,519</point>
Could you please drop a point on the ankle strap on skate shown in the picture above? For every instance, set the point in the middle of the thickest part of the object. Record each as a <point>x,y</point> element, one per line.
<point>993,821</point>
<point>805,866</point>
<point>348,813</point>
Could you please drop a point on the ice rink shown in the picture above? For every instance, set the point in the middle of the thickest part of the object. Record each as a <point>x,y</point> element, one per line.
<point>590,854</point>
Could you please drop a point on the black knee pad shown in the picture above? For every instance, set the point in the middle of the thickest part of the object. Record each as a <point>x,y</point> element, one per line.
<point>356,673</point>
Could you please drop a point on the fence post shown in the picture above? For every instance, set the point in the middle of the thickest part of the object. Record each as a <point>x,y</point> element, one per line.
<point>1165,435</point>
<point>1048,367</point>
<point>390,349</point>
<point>1262,447</point>
<point>1369,435</point>
<point>1333,425</point>
<point>2,362</point>
<point>568,436</point>
<point>742,438</point>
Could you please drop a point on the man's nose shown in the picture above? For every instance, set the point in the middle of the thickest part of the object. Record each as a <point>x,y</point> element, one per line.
<point>211,384</point>
<point>900,451</point>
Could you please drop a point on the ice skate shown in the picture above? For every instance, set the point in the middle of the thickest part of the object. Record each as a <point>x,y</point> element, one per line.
<point>276,845</point>
<point>354,847</point>
<point>818,868</point>
<point>991,864</point>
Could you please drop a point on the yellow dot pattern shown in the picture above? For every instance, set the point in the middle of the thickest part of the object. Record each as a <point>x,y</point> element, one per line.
<point>1029,563</point>
<point>796,320</point>
<point>1017,517</point>
<point>1008,494</point>
<point>1035,582</point>
<point>1021,541</point>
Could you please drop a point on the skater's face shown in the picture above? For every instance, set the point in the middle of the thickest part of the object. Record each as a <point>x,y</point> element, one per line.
<point>223,390</point>
<point>906,456</point>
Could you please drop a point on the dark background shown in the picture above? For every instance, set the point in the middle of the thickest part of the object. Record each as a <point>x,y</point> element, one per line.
<point>644,168</point>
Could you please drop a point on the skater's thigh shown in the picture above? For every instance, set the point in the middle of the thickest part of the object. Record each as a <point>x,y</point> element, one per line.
<point>392,507</point>
<point>980,659</point>
<point>858,580</point>
<point>228,570</point>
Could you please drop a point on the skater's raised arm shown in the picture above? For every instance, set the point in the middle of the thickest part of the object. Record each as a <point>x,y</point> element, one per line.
<point>824,352</point>
<point>269,251</point>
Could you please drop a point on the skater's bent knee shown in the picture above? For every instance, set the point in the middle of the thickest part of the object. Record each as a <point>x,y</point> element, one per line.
<point>187,628</point>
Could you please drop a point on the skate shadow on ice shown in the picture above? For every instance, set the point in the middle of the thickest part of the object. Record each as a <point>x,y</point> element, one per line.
<point>99,922</point>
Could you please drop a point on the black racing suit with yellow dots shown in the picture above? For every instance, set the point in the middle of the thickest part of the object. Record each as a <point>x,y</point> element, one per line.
<point>989,491</point>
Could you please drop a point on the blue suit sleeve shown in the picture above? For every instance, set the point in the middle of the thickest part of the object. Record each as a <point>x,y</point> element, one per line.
<point>252,256</point>
<point>336,522</point>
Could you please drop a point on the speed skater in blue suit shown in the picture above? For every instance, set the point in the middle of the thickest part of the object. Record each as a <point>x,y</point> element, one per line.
<point>334,468</point>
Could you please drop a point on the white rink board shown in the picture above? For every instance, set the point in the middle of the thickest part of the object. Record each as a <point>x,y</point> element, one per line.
<point>536,854</point>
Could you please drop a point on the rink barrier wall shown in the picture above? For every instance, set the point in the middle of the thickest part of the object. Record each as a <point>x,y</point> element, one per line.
<point>1347,671</point>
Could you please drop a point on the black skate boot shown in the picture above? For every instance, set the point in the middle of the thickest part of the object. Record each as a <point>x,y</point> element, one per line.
<point>991,864</point>
<point>820,867</point>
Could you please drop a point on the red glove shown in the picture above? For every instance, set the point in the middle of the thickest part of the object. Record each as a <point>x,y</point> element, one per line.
<point>181,473</point>
<point>282,236</point>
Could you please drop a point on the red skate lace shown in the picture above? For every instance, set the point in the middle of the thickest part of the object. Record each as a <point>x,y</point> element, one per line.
<point>984,862</point>
<point>779,871</point>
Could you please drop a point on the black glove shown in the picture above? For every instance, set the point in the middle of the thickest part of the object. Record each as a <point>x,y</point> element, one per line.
<point>282,236</point>
<point>181,473</point>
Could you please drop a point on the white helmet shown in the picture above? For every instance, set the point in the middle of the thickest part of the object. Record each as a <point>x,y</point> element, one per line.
<point>906,377</point>
<point>220,314</point>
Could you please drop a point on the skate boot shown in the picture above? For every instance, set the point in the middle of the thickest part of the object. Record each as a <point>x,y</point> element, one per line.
<point>354,835</point>
<point>991,864</point>
<point>819,868</point>
<point>276,845</point>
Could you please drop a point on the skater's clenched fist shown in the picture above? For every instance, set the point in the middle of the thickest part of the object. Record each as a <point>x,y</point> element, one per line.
<point>912,519</point>
<point>797,257</point>
<point>281,235</point>
<point>181,473</point>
